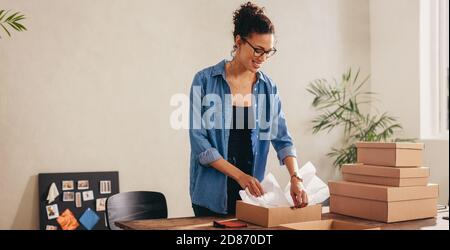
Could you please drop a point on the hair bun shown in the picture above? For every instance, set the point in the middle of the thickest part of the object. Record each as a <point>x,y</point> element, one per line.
<point>246,12</point>
<point>251,18</point>
<point>250,9</point>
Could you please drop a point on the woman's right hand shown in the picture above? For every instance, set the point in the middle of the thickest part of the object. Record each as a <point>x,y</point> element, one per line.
<point>244,180</point>
<point>253,185</point>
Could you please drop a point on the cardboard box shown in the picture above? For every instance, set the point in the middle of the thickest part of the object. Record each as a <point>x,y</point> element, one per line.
<point>382,193</point>
<point>328,225</point>
<point>390,154</point>
<point>383,203</point>
<point>271,217</point>
<point>397,177</point>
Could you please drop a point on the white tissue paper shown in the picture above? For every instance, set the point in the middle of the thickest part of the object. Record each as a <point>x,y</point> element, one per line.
<point>274,196</point>
<point>52,193</point>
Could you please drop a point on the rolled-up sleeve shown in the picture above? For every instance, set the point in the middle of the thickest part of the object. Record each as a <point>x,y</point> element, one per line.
<point>282,142</point>
<point>200,144</point>
<point>285,152</point>
<point>209,156</point>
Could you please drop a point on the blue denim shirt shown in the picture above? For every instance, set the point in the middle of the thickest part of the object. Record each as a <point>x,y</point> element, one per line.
<point>210,114</point>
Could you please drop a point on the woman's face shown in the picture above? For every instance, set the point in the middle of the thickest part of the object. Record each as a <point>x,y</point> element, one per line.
<point>246,53</point>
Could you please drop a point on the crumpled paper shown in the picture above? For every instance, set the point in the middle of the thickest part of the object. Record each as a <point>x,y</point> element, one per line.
<point>274,196</point>
<point>52,193</point>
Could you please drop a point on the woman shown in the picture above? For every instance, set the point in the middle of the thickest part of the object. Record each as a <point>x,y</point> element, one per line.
<point>230,153</point>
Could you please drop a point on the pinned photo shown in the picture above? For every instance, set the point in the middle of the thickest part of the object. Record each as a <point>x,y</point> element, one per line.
<point>88,195</point>
<point>105,187</point>
<point>51,227</point>
<point>68,196</point>
<point>52,211</point>
<point>67,185</point>
<point>101,204</point>
<point>83,184</point>
<point>78,199</point>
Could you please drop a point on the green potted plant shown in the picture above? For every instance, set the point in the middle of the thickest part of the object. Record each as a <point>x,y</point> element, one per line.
<point>339,106</point>
<point>11,21</point>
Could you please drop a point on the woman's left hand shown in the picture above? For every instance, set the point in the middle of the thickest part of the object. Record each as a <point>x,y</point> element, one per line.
<point>298,193</point>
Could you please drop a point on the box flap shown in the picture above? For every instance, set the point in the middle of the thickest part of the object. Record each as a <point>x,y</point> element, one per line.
<point>369,170</point>
<point>328,225</point>
<point>382,193</point>
<point>400,145</point>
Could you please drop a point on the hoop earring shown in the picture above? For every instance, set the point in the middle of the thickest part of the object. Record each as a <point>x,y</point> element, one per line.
<point>233,52</point>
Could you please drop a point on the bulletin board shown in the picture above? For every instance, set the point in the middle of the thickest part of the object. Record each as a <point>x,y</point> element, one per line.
<point>102,185</point>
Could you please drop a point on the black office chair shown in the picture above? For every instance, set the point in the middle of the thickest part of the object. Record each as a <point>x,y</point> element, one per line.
<point>138,205</point>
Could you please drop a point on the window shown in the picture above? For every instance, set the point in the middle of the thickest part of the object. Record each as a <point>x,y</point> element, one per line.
<point>443,65</point>
<point>434,69</point>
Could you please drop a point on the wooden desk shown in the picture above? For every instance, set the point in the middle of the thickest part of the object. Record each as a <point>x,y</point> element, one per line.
<point>205,223</point>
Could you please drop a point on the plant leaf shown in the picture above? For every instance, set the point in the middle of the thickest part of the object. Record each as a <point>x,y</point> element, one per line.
<point>6,30</point>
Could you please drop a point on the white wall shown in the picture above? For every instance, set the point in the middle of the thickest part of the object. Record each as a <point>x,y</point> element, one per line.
<point>87,88</point>
<point>394,31</point>
<point>396,76</point>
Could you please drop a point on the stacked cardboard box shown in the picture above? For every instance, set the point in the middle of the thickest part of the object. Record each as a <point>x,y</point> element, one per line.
<point>387,184</point>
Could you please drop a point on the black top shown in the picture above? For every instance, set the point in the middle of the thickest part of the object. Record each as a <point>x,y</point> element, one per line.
<point>240,152</point>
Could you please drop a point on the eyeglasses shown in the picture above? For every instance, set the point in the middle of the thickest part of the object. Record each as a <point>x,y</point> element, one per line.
<point>259,52</point>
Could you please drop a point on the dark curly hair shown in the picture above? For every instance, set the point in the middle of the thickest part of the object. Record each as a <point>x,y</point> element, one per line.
<point>250,18</point>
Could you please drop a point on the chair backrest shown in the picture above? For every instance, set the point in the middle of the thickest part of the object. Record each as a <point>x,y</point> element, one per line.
<point>137,205</point>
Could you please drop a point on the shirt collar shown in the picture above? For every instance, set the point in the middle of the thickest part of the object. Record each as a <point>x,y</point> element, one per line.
<point>219,69</point>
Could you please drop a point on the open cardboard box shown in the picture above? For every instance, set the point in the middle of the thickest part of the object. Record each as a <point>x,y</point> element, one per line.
<point>383,203</point>
<point>272,217</point>
<point>390,154</point>
<point>397,177</point>
<point>328,225</point>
